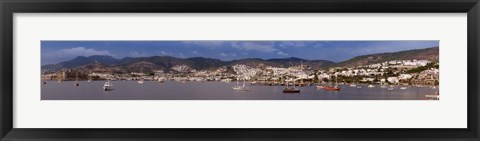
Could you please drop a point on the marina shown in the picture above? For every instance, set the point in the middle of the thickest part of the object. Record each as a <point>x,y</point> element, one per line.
<point>217,90</point>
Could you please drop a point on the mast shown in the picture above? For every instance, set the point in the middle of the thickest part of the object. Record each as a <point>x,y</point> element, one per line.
<point>336,80</point>
<point>243,82</point>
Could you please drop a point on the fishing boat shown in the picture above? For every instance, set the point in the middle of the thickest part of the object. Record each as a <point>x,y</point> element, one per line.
<point>329,88</point>
<point>334,88</point>
<point>241,88</point>
<point>107,86</point>
<point>291,90</point>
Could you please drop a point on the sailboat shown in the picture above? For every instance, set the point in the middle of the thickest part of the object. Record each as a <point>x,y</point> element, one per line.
<point>107,86</point>
<point>76,79</point>
<point>59,79</point>
<point>141,79</point>
<point>241,88</point>
<point>291,90</point>
<point>89,78</point>
<point>334,88</point>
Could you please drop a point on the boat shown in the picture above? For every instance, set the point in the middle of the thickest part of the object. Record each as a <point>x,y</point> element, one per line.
<point>44,82</point>
<point>329,88</point>
<point>76,80</point>
<point>161,80</point>
<point>390,88</point>
<point>90,77</point>
<point>334,88</point>
<point>241,88</point>
<point>291,90</point>
<point>107,86</point>
<point>371,86</point>
<point>141,81</point>
<point>382,85</point>
<point>403,88</point>
<point>353,85</point>
<point>320,86</point>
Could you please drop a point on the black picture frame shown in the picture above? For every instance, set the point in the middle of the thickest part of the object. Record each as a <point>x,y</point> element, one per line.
<point>9,7</point>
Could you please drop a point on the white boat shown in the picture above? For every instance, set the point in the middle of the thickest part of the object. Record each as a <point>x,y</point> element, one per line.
<point>241,88</point>
<point>141,81</point>
<point>391,88</point>
<point>403,88</point>
<point>107,86</point>
<point>371,86</point>
<point>89,78</point>
<point>383,86</point>
<point>161,80</point>
<point>353,85</point>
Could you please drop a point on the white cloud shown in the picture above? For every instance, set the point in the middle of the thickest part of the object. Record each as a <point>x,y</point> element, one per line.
<point>282,53</point>
<point>80,51</point>
<point>265,47</point>
<point>164,53</point>
<point>209,44</point>
<point>67,54</point>
<point>228,54</point>
<point>292,44</point>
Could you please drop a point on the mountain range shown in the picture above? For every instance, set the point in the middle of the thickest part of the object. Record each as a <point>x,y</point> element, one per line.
<point>200,63</point>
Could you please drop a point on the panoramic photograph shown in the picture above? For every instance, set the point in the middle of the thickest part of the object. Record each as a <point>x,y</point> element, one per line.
<point>240,70</point>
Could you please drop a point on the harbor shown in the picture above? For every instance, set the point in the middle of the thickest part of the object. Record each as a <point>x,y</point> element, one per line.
<point>217,90</point>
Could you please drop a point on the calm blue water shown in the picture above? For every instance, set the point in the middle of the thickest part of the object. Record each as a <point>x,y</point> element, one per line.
<point>171,90</point>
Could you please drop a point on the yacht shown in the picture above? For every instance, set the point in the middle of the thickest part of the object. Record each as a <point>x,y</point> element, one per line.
<point>291,90</point>
<point>334,88</point>
<point>241,88</point>
<point>107,86</point>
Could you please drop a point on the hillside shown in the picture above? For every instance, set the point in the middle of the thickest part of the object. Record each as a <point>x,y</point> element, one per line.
<point>168,63</point>
<point>430,54</point>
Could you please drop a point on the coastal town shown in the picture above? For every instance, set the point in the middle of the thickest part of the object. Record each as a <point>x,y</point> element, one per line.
<point>410,73</point>
<point>396,72</point>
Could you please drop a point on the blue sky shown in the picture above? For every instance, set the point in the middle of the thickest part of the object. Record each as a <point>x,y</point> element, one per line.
<point>59,51</point>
